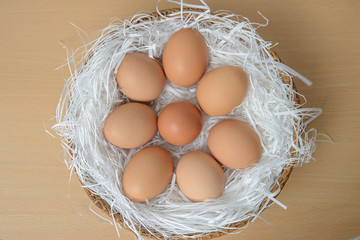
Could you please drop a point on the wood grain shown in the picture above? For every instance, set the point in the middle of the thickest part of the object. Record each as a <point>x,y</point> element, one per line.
<point>317,38</point>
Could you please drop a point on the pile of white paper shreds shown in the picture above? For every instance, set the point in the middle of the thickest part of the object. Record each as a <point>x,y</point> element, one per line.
<point>91,93</point>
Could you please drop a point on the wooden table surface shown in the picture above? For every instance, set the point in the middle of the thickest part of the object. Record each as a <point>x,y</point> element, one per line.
<point>319,39</point>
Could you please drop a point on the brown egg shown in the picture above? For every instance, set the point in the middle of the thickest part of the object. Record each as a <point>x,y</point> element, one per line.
<point>185,57</point>
<point>131,125</point>
<point>147,174</point>
<point>222,89</point>
<point>140,77</point>
<point>234,144</point>
<point>199,176</point>
<point>180,123</point>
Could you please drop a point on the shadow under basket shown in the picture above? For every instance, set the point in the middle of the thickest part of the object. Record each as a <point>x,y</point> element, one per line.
<point>104,206</point>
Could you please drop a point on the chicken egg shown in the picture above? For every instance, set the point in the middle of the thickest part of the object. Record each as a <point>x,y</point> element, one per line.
<point>235,144</point>
<point>147,174</point>
<point>180,123</point>
<point>199,176</point>
<point>130,125</point>
<point>222,89</point>
<point>140,77</point>
<point>185,57</point>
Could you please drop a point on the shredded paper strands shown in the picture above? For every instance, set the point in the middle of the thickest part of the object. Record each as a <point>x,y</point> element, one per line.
<point>91,93</point>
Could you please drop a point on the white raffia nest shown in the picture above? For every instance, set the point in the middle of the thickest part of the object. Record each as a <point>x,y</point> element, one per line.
<point>91,93</point>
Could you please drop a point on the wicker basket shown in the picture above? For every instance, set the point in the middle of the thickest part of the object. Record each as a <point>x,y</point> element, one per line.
<point>104,206</point>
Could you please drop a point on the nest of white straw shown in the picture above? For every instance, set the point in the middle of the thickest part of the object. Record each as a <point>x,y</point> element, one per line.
<point>91,93</point>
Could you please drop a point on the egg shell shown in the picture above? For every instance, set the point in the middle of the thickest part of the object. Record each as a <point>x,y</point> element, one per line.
<point>140,77</point>
<point>185,57</point>
<point>147,174</point>
<point>222,89</point>
<point>180,123</point>
<point>131,125</point>
<point>235,144</point>
<point>199,176</point>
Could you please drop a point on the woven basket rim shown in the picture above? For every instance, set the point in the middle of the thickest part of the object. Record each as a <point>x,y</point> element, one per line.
<point>283,178</point>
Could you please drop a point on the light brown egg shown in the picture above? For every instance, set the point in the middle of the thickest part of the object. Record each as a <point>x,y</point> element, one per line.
<point>131,125</point>
<point>147,174</point>
<point>222,89</point>
<point>180,123</point>
<point>140,77</point>
<point>235,144</point>
<point>199,176</point>
<point>185,57</point>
